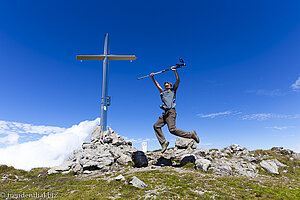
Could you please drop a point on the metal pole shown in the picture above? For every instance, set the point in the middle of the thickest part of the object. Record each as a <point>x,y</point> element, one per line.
<point>103,120</point>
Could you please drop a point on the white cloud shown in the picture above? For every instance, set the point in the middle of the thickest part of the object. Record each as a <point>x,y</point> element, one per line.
<point>296,86</point>
<point>16,127</point>
<point>275,92</point>
<point>213,115</point>
<point>256,116</point>
<point>280,128</point>
<point>259,116</point>
<point>51,150</point>
<point>266,116</point>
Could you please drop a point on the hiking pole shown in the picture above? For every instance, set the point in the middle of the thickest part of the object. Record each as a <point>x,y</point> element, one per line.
<point>177,66</point>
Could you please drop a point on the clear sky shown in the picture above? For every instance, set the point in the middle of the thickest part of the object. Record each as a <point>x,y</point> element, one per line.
<point>241,84</point>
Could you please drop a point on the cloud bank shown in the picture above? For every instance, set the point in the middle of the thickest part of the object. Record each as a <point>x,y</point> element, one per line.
<point>51,150</point>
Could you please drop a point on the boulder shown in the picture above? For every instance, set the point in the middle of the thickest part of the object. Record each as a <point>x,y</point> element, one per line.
<point>269,166</point>
<point>184,143</point>
<point>137,182</point>
<point>236,147</point>
<point>203,164</point>
<point>61,168</point>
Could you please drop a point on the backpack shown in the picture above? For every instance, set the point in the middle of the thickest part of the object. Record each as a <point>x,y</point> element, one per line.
<point>139,158</point>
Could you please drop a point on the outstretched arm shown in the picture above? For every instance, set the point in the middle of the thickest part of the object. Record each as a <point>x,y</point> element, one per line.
<point>177,78</point>
<point>156,83</point>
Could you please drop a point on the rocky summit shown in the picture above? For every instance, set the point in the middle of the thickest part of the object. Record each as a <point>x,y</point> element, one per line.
<point>109,151</point>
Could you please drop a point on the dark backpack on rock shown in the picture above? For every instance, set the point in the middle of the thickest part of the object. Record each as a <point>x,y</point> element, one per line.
<point>139,158</point>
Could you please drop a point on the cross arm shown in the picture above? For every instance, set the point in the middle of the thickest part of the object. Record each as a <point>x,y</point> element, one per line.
<point>110,57</point>
<point>121,57</point>
<point>90,57</point>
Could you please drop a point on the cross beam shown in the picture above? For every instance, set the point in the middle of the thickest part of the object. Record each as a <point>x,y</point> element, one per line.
<point>105,57</point>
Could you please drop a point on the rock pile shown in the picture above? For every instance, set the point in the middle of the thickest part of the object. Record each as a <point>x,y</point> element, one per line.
<point>108,151</point>
<point>104,150</point>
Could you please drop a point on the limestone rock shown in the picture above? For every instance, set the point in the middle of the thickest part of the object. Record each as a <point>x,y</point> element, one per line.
<point>236,147</point>
<point>237,150</point>
<point>178,154</point>
<point>120,178</point>
<point>217,154</point>
<point>279,164</point>
<point>97,134</point>
<point>243,167</point>
<point>249,158</point>
<point>203,164</point>
<point>184,143</point>
<point>61,168</point>
<point>96,159</point>
<point>269,166</point>
<point>124,159</point>
<point>222,169</point>
<point>201,152</point>
<point>137,183</point>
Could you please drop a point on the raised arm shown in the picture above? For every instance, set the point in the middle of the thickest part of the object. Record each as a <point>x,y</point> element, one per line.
<point>177,78</point>
<point>156,83</point>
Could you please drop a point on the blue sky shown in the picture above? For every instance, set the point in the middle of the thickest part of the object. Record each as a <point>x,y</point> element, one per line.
<point>239,86</point>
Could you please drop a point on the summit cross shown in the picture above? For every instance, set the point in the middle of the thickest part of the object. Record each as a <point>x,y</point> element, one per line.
<point>105,100</point>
